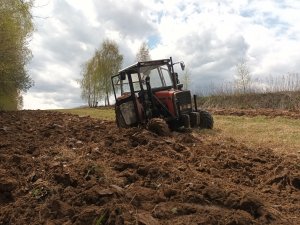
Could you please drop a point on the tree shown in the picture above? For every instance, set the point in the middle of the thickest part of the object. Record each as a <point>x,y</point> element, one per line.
<point>15,29</point>
<point>89,85</point>
<point>143,53</point>
<point>97,72</point>
<point>109,61</point>
<point>243,77</point>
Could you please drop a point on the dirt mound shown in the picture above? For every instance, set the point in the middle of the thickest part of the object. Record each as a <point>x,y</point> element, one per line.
<point>63,169</point>
<point>294,114</point>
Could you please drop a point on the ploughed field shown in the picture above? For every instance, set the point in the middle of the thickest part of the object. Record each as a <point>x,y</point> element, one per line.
<point>58,168</point>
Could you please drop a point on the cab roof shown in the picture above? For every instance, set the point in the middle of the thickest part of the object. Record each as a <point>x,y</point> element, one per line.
<point>134,67</point>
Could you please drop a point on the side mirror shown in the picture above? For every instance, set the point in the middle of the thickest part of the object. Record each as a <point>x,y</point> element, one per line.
<point>122,76</point>
<point>182,65</point>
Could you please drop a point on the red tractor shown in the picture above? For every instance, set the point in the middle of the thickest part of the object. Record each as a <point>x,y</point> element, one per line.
<point>151,89</point>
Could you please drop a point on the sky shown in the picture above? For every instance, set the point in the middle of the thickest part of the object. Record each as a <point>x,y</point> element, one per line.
<point>210,36</point>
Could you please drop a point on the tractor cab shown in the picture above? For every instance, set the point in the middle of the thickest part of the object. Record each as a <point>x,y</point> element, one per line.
<point>151,89</point>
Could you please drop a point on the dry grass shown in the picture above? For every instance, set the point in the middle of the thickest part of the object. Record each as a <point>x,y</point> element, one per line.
<point>99,113</point>
<point>280,134</point>
<point>276,100</point>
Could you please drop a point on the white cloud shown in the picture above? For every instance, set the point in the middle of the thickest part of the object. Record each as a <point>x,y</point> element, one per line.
<point>210,36</point>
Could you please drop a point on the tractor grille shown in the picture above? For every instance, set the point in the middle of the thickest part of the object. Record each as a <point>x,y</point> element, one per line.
<point>184,101</point>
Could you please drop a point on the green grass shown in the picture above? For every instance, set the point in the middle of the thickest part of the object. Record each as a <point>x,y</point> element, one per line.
<point>99,113</point>
<point>278,133</point>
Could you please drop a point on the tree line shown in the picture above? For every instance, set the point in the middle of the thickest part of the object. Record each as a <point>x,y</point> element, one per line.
<point>16,27</point>
<point>96,73</point>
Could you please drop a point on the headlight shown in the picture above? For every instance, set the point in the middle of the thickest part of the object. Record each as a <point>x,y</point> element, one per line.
<point>186,106</point>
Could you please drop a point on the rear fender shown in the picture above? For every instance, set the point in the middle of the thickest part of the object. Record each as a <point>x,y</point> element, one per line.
<point>127,109</point>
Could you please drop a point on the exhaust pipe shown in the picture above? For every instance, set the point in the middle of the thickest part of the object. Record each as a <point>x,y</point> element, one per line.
<point>195,103</point>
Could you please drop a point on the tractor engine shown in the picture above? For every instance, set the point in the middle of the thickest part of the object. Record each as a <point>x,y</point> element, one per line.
<point>177,102</point>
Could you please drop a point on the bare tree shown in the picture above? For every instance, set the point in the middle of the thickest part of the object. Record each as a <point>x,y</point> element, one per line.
<point>243,77</point>
<point>143,53</point>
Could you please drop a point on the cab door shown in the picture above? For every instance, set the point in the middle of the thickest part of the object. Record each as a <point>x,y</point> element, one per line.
<point>128,109</point>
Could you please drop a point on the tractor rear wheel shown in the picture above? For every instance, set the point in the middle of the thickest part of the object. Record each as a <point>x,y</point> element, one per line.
<point>206,120</point>
<point>158,126</point>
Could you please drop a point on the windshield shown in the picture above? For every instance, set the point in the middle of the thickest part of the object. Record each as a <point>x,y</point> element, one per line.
<point>159,77</point>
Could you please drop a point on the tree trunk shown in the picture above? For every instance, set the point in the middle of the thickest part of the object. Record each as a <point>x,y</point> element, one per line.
<point>89,100</point>
<point>107,97</point>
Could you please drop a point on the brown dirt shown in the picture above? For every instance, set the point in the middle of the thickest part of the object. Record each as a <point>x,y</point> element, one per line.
<point>63,169</point>
<point>294,114</point>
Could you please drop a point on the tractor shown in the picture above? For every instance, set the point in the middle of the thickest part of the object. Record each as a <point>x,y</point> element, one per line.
<point>149,92</point>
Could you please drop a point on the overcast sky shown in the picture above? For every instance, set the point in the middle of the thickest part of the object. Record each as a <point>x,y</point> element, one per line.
<point>210,36</point>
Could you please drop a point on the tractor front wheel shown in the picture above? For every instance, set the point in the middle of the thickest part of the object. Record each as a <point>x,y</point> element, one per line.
<point>158,126</point>
<point>206,120</point>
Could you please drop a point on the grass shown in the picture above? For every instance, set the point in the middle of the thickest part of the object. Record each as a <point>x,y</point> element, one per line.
<point>280,134</point>
<point>98,113</point>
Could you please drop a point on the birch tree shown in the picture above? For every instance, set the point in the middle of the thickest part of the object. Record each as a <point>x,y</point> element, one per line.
<point>96,81</point>
<point>109,63</point>
<point>15,29</point>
